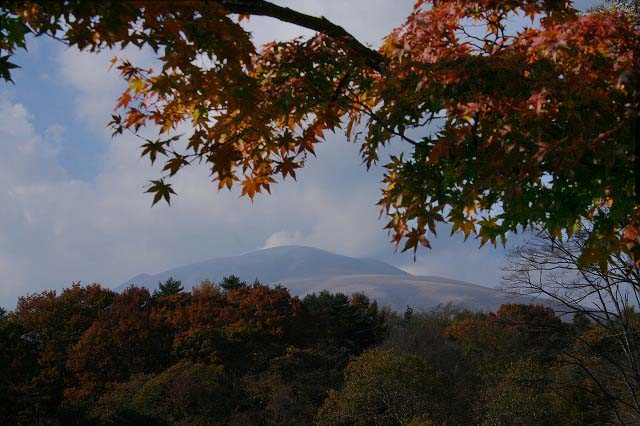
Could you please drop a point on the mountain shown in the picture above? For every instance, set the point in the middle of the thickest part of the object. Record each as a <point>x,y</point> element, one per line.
<point>271,265</point>
<point>306,270</point>
<point>398,292</point>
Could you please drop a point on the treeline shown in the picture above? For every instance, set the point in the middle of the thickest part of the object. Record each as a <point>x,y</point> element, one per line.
<point>234,353</point>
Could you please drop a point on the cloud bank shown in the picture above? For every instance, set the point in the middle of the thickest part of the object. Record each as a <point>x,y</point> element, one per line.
<point>58,229</point>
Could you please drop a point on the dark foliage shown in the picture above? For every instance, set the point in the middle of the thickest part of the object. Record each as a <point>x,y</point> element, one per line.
<point>169,287</point>
<point>238,354</point>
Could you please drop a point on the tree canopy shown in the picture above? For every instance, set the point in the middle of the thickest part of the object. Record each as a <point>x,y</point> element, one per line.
<point>169,287</point>
<point>500,128</point>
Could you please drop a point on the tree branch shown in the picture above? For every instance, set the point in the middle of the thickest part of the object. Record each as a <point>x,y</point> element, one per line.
<point>371,57</point>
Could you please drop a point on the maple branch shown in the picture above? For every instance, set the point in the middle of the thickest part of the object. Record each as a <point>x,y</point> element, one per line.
<point>321,24</point>
<point>368,111</point>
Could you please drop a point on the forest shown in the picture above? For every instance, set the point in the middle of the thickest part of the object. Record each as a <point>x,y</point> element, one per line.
<point>494,128</point>
<point>232,353</point>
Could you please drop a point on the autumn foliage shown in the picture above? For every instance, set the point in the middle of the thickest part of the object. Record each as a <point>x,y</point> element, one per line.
<point>253,354</point>
<point>109,357</point>
<point>537,127</point>
<point>501,126</point>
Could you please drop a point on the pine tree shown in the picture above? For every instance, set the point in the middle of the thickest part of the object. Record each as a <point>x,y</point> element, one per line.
<point>232,282</point>
<point>169,287</point>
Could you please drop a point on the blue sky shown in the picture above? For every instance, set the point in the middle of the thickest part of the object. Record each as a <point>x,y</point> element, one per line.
<point>72,205</point>
<point>51,102</point>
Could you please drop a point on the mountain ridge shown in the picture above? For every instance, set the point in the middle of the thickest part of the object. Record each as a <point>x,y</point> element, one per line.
<point>269,265</point>
<point>305,270</point>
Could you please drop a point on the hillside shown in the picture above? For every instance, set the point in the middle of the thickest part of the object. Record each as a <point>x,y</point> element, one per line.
<point>305,270</point>
<point>398,292</point>
<point>270,265</point>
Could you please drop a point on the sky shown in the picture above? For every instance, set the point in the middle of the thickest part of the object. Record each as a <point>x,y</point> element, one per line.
<point>72,202</point>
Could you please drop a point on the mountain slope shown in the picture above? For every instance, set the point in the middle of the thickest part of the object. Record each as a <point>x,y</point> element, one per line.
<point>398,292</point>
<point>305,270</point>
<point>271,265</point>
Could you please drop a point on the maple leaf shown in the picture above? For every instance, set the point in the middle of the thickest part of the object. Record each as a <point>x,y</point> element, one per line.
<point>530,124</point>
<point>153,148</point>
<point>161,190</point>
<point>174,164</point>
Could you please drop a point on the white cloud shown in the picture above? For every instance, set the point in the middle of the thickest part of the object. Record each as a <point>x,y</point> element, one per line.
<point>367,20</point>
<point>284,238</point>
<point>462,261</point>
<point>95,88</point>
<point>60,230</point>
<point>105,230</point>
